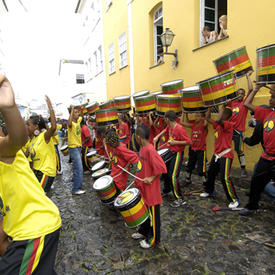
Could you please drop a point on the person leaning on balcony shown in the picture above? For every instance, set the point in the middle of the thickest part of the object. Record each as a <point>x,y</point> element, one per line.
<point>208,36</point>
<point>223,26</point>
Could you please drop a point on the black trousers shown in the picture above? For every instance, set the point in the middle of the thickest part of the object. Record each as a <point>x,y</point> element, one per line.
<point>263,173</point>
<point>196,157</point>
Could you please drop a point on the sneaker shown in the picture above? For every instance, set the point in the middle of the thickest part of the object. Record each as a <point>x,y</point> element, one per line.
<point>244,173</point>
<point>206,195</point>
<point>177,203</point>
<point>166,194</point>
<point>137,236</point>
<point>60,173</point>
<point>144,244</point>
<point>247,212</point>
<point>79,192</point>
<point>234,204</point>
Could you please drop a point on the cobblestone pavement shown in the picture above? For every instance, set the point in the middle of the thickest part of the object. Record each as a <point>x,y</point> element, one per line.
<point>194,239</point>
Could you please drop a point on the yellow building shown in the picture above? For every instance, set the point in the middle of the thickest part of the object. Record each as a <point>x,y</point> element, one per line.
<point>250,24</point>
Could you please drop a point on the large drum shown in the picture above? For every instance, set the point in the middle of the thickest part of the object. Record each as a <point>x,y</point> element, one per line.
<point>100,173</point>
<point>172,87</point>
<point>107,105</point>
<point>192,100</point>
<point>132,207</point>
<point>266,65</point>
<point>91,108</point>
<point>218,89</point>
<point>145,104</point>
<point>106,117</point>
<point>105,189</point>
<point>168,102</point>
<point>237,61</point>
<point>122,103</point>
<point>165,154</point>
<point>64,150</point>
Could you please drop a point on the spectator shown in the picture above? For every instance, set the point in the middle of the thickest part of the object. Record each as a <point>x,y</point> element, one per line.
<point>208,36</point>
<point>223,26</point>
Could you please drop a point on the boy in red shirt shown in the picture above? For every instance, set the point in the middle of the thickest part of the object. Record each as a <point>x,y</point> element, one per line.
<point>123,131</point>
<point>239,114</point>
<point>152,167</point>
<point>99,136</point>
<point>265,169</point>
<point>120,155</point>
<point>197,151</point>
<point>223,156</point>
<point>86,144</point>
<point>178,138</point>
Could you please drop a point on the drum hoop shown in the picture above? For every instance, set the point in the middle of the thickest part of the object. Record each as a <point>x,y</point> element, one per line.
<point>110,181</point>
<point>64,147</point>
<point>265,47</point>
<point>191,88</point>
<point>121,97</point>
<point>100,163</point>
<point>164,151</point>
<point>135,192</point>
<point>173,81</point>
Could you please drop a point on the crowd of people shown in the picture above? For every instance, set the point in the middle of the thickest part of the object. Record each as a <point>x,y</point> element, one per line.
<point>150,145</point>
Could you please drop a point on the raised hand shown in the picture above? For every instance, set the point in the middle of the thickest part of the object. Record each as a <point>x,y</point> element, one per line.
<point>6,93</point>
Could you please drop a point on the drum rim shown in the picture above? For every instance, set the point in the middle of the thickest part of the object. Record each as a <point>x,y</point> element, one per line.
<point>91,105</point>
<point>97,180</point>
<point>147,92</point>
<point>229,53</point>
<point>121,97</point>
<point>94,153</point>
<point>107,170</point>
<point>216,76</point>
<point>185,89</point>
<point>166,149</point>
<point>64,147</point>
<point>106,103</point>
<point>101,161</point>
<point>262,48</point>
<point>128,202</point>
<point>178,81</point>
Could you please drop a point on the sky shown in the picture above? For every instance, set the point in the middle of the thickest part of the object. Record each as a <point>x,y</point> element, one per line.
<point>34,43</point>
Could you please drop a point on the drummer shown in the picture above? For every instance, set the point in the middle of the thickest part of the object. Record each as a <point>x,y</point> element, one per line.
<point>87,143</point>
<point>178,138</point>
<point>123,131</point>
<point>239,114</point>
<point>120,155</point>
<point>152,167</point>
<point>99,137</point>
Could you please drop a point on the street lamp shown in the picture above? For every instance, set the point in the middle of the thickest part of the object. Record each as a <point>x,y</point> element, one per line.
<point>166,40</point>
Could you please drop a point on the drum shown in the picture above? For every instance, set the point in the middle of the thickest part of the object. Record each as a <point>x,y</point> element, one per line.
<point>64,150</point>
<point>141,93</point>
<point>106,117</point>
<point>165,154</point>
<point>266,65</point>
<point>100,173</point>
<point>107,105</point>
<point>91,108</point>
<point>192,100</point>
<point>122,103</point>
<point>100,165</point>
<point>218,89</point>
<point>172,87</point>
<point>105,189</point>
<point>92,157</point>
<point>165,103</point>
<point>132,207</point>
<point>237,61</point>
<point>145,104</point>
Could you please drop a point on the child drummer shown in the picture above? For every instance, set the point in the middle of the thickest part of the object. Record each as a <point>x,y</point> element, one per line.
<point>120,156</point>
<point>152,167</point>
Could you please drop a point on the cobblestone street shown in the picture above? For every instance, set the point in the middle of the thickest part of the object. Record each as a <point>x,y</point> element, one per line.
<point>195,240</point>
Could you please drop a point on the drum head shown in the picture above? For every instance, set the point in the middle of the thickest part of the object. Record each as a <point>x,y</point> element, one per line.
<point>100,173</point>
<point>102,182</point>
<point>64,147</point>
<point>126,197</point>
<point>163,151</point>
<point>192,88</point>
<point>121,97</point>
<point>141,93</point>
<point>92,153</point>
<point>98,165</point>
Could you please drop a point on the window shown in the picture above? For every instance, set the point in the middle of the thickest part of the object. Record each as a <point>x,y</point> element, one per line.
<point>111,54</point>
<point>122,47</point>
<point>100,59</point>
<point>80,79</point>
<point>211,10</point>
<point>158,30</point>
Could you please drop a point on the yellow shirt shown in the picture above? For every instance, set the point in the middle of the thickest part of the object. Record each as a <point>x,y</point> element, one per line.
<point>27,212</point>
<point>55,138</point>
<point>25,147</point>
<point>74,134</point>
<point>43,155</point>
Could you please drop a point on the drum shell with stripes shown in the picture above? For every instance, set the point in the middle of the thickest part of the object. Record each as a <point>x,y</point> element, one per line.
<point>64,150</point>
<point>192,100</point>
<point>141,93</point>
<point>165,103</point>
<point>134,211</point>
<point>216,90</point>
<point>236,61</point>
<point>107,105</point>
<point>122,103</point>
<point>92,108</point>
<point>145,104</point>
<point>266,65</point>
<point>172,87</point>
<point>106,117</point>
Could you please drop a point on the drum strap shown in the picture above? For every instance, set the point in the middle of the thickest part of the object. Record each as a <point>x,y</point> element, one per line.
<point>218,156</point>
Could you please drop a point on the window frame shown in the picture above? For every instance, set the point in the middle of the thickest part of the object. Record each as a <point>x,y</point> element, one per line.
<point>111,61</point>
<point>155,25</point>
<point>100,59</point>
<point>122,49</point>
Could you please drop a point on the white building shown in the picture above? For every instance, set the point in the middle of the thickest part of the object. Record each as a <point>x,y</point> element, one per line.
<point>93,55</point>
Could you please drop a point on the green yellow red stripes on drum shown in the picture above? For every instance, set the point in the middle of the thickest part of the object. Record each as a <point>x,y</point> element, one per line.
<point>266,61</point>
<point>135,215</point>
<point>107,193</point>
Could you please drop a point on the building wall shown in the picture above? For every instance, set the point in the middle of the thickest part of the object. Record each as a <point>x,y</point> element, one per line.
<point>115,22</point>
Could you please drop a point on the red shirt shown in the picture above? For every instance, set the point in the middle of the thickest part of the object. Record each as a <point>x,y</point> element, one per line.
<point>198,136</point>
<point>152,165</point>
<point>223,138</point>
<point>239,113</point>
<point>85,133</point>
<point>177,133</point>
<point>99,146</point>
<point>267,117</point>
<point>123,130</point>
<point>121,155</point>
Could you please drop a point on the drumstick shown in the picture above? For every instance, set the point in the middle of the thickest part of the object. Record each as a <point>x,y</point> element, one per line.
<point>163,145</point>
<point>130,185</point>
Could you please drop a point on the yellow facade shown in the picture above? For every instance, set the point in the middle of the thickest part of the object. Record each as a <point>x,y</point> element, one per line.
<point>250,24</point>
